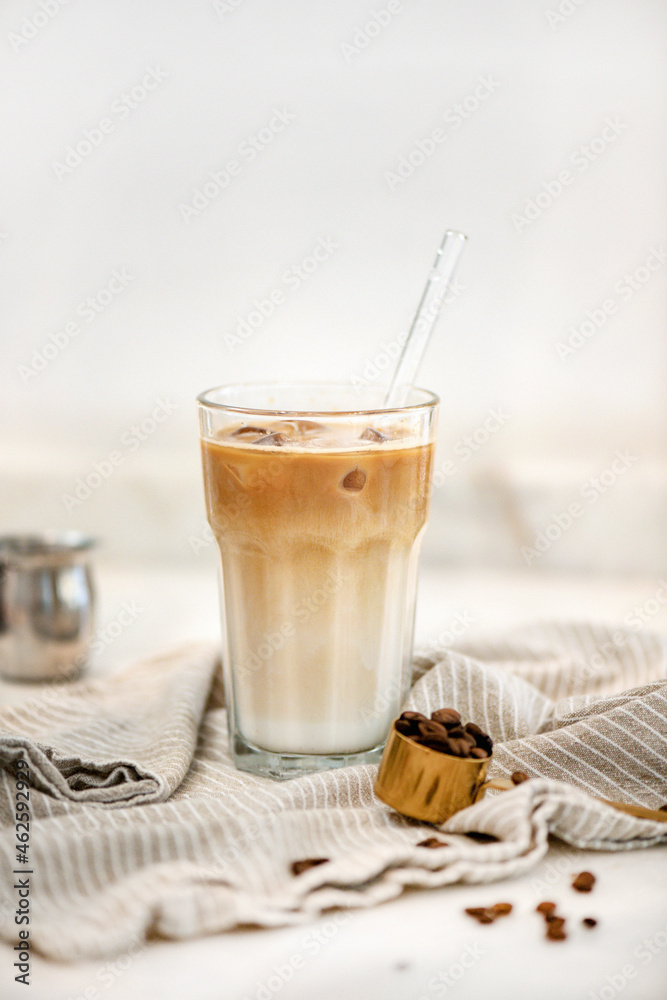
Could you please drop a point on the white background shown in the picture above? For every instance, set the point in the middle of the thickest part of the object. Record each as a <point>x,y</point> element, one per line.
<point>360,96</point>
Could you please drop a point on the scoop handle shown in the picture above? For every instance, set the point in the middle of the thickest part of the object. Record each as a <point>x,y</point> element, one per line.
<point>503,785</point>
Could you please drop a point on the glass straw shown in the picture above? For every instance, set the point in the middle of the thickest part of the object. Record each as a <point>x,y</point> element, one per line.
<point>427,313</point>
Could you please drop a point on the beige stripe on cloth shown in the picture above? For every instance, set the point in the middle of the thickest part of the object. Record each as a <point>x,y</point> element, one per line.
<point>141,825</point>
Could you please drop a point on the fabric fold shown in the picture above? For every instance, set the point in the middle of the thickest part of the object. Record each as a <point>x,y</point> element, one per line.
<point>581,709</point>
<point>125,740</point>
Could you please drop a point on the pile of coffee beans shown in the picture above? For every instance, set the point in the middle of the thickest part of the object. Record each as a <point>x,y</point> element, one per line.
<point>445,732</point>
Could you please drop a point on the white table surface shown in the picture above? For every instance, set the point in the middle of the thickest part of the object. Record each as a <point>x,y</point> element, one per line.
<point>421,945</point>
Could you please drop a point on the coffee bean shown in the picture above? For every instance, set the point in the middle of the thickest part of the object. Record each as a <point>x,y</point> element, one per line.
<point>518,777</point>
<point>583,882</point>
<point>458,732</point>
<point>555,931</point>
<point>589,922</point>
<point>447,716</point>
<point>432,842</point>
<point>663,809</point>
<point>414,717</point>
<point>546,907</point>
<point>502,909</point>
<point>306,863</point>
<point>273,440</point>
<point>433,743</point>
<point>354,481</point>
<point>460,748</point>
<point>247,431</point>
<point>473,729</point>
<point>482,914</point>
<point>431,729</point>
<point>370,434</point>
<point>404,726</point>
<point>478,753</point>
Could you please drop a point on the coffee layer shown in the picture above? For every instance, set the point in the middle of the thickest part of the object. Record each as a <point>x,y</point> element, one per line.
<point>319,552</point>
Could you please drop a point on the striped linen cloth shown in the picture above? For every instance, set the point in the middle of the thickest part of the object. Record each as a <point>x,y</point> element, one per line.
<point>140,824</point>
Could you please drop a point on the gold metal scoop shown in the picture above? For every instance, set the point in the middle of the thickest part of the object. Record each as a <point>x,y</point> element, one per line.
<point>431,786</point>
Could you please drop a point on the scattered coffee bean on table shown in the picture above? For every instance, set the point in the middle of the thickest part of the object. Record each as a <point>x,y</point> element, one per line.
<point>556,929</point>
<point>306,863</point>
<point>518,777</point>
<point>583,882</point>
<point>432,842</point>
<point>487,914</point>
<point>589,922</point>
<point>481,914</point>
<point>546,907</point>
<point>446,733</point>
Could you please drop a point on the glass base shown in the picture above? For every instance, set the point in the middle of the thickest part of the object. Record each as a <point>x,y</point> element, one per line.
<point>292,765</point>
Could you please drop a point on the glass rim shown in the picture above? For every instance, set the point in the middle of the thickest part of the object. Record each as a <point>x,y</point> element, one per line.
<point>430,400</point>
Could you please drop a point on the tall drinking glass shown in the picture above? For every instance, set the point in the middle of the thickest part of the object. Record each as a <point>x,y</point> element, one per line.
<point>318,498</point>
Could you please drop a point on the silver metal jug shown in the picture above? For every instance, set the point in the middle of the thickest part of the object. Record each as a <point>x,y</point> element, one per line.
<point>46,605</point>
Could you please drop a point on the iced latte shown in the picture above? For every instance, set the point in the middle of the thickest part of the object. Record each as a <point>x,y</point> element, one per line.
<point>318,503</point>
